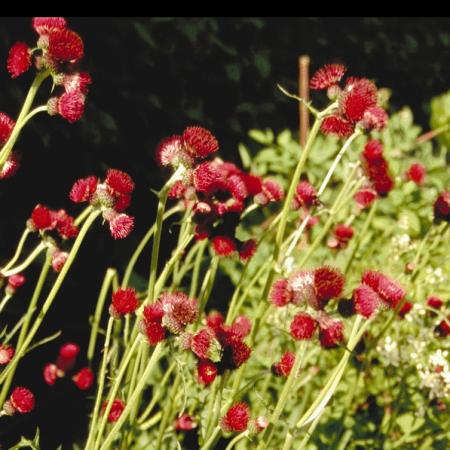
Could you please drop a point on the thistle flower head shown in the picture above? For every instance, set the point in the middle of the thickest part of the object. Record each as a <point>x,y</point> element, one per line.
<point>367,301</point>
<point>84,379</point>
<point>121,225</point>
<point>124,301</point>
<point>443,328</point>
<point>199,142</point>
<point>77,82</point>
<point>374,118</point>
<point>442,207</point>
<point>284,366</point>
<point>224,245</point>
<point>305,195</point>
<point>365,197</point>
<point>271,191</point>
<point>247,249</point>
<point>214,320</point>
<point>6,354</point>
<point>391,292</point>
<point>19,59</point>
<point>69,105</point>
<point>21,401</point>
<point>205,345</point>
<point>301,284</point>
<point>281,292</point>
<point>303,326</point>
<point>51,373</point>
<point>327,76</point>
<point>341,236</point>
<point>416,173</point>
<point>331,331</point>
<point>359,95</point>
<point>6,127</point>
<point>45,25</point>
<point>206,372</point>
<point>64,45</point>
<point>329,283</point>
<point>83,189</point>
<point>10,167</point>
<point>171,152</point>
<point>120,182</point>
<point>115,412</point>
<point>236,418</point>
<point>337,125</point>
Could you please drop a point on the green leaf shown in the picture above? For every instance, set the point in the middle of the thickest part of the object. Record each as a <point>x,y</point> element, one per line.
<point>245,156</point>
<point>263,137</point>
<point>440,116</point>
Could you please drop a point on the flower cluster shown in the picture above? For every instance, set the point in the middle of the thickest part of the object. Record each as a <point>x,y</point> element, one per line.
<point>376,291</point>
<point>113,196</point>
<point>357,102</point>
<point>171,313</point>
<point>217,191</point>
<point>218,346</point>
<point>44,219</point>
<point>65,362</point>
<point>377,168</point>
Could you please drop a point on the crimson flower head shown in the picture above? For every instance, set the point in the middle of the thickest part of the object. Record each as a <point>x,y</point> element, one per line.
<point>205,345</point>
<point>152,323</point>
<point>341,236</point>
<point>171,152</point>
<point>67,356</point>
<point>365,197</point>
<point>359,95</point>
<point>179,311</point>
<point>19,59</point>
<point>331,331</point>
<point>120,182</point>
<point>337,125</point>
<point>281,292</point>
<point>199,142</point>
<point>45,25</point>
<point>434,302</point>
<point>64,45</point>
<point>391,292</point>
<point>41,218</point>
<point>442,207</point>
<point>329,283</point>
<point>51,373</point>
<point>83,189</point>
<point>443,328</point>
<point>366,300</point>
<point>115,412</point>
<point>206,371</point>
<point>21,401</point>
<point>10,167</point>
<point>185,422</point>
<point>120,225</point>
<point>84,378</point>
<point>405,309</point>
<point>76,82</point>
<point>59,258</point>
<point>271,191</point>
<point>16,281</point>
<point>327,76</point>
<point>236,418</point>
<point>374,118</point>
<point>6,126</point>
<point>247,249</point>
<point>305,195</point>
<point>416,173</point>
<point>124,301</point>
<point>6,354</point>
<point>214,320</point>
<point>303,326</point>
<point>69,105</point>
<point>284,366</point>
<point>377,168</point>
<point>224,245</point>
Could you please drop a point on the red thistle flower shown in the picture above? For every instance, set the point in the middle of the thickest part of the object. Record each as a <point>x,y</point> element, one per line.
<point>65,224</point>
<point>341,236</point>
<point>247,249</point>
<point>120,182</point>
<point>374,118</point>
<point>405,309</point>
<point>206,372</point>
<point>121,225</point>
<point>305,195</point>
<point>443,328</point>
<point>303,326</point>
<point>21,401</point>
<point>77,82</point>
<point>271,191</point>
<point>281,292</point>
<point>329,75</point>
<point>329,283</point>
<point>223,245</point>
<point>65,45</point>
<point>19,59</point>
<point>199,142</point>
<point>236,418</point>
<point>51,373</point>
<point>67,356</point>
<point>84,378</point>
<point>434,302</point>
<point>241,327</point>
<point>41,218</point>
<point>179,310</point>
<point>240,353</point>
<point>284,366</point>
<point>10,167</point>
<point>206,177</point>
<point>6,127</point>
<point>384,184</point>
<point>70,106</point>
<point>153,312</point>
<point>205,345</point>
<point>337,125</point>
<point>387,289</point>
<point>367,301</point>
<point>416,173</point>
<point>365,197</point>
<point>359,95</point>
<point>115,412</point>
<point>6,354</point>
<point>185,422</point>
<point>124,301</point>
<point>16,281</point>
<point>45,25</point>
<point>303,290</point>
<point>331,332</point>
<point>373,151</point>
<point>155,332</point>
<point>214,320</point>
<point>442,207</point>
<point>83,189</point>
<point>171,152</point>
<point>376,167</point>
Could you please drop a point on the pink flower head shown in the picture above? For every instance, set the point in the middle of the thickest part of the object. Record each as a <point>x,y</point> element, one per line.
<point>387,289</point>
<point>83,189</point>
<point>51,373</point>
<point>115,412</point>
<point>367,301</point>
<point>303,326</point>
<point>70,106</point>
<point>305,195</point>
<point>21,401</point>
<point>6,354</point>
<point>331,332</point>
<point>67,356</point>
<point>434,302</point>
<point>416,173</point>
<point>6,127</point>
<point>241,327</point>
<point>281,292</point>
<point>41,218</point>
<point>341,236</point>
<point>206,372</point>
<point>59,258</point>
<point>365,197</point>
<point>45,25</point>
<point>442,207</point>
<point>214,320</point>
<point>16,281</point>
<point>271,191</point>
<point>329,283</point>
<point>120,182</point>
<point>19,59</point>
<point>329,75</point>
<point>236,418</point>
<point>205,345</point>
<point>185,422</point>
<point>121,225</point>
<point>77,82</point>
<point>179,311</point>
<point>224,245</point>
<point>374,118</point>
<point>10,167</point>
<point>301,284</point>
<point>359,95</point>
<point>64,45</point>
<point>199,142</point>
<point>337,125</point>
<point>84,379</point>
<point>124,301</point>
<point>247,249</point>
<point>284,366</point>
<point>171,152</point>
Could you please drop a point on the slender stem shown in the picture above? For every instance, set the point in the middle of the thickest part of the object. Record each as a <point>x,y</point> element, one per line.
<point>37,110</point>
<point>236,439</point>
<point>139,387</point>
<point>109,276</point>
<point>18,251</point>
<point>207,286</point>
<point>101,383</point>
<point>82,216</point>
<point>26,323</point>
<point>51,296</point>
<point>4,301</point>
<point>7,148</point>
<point>196,271</point>
<point>31,257</point>
<point>212,438</point>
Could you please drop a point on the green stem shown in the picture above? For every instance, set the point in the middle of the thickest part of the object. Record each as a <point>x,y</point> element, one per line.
<point>4,301</point>
<point>236,439</point>
<point>101,383</point>
<point>139,387</point>
<point>197,267</point>
<point>18,251</point>
<point>31,257</point>
<point>7,148</point>
<point>51,296</point>
<point>82,216</point>
<point>207,286</point>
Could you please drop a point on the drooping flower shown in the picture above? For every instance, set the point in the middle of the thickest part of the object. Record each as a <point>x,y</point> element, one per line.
<point>64,45</point>
<point>171,152</point>
<point>303,326</point>
<point>236,418</point>
<point>331,331</point>
<point>84,378</point>
<point>185,422</point>
<point>20,401</point>
<point>19,59</point>
<point>124,301</point>
<point>327,76</point>
<point>284,366</point>
<point>416,173</point>
<point>271,191</point>
<point>6,354</point>
<point>305,195</point>
<point>116,410</point>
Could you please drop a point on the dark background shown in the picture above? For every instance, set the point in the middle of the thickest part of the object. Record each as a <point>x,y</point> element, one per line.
<point>151,78</point>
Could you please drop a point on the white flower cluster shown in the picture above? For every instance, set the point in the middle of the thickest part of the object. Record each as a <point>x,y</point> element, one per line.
<point>435,375</point>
